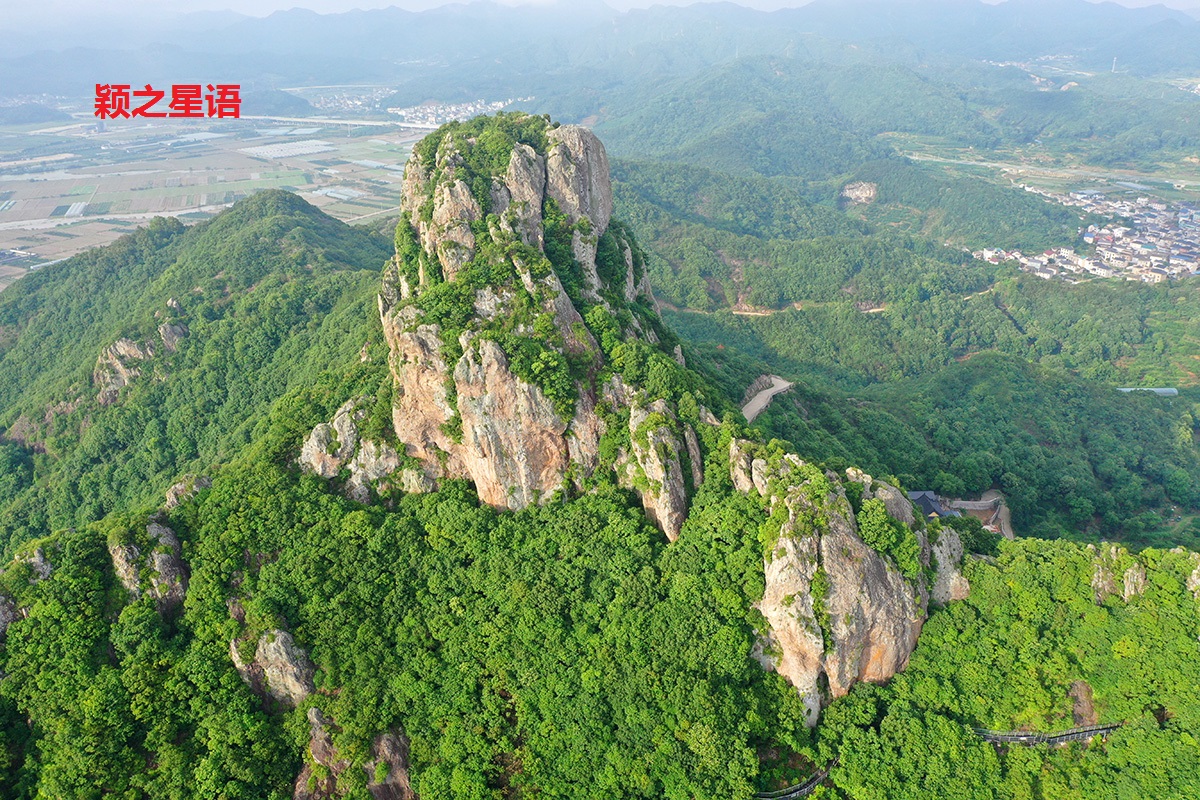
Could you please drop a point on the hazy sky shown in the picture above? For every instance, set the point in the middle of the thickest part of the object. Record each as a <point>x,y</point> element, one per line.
<point>52,12</point>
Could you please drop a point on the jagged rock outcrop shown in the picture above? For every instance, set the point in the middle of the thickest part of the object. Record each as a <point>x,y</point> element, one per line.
<point>837,611</point>
<point>495,380</point>
<point>309,784</point>
<point>279,669</point>
<point>518,198</point>
<point>514,444</point>
<point>898,505</point>
<point>185,489</point>
<point>8,615</point>
<point>860,193</point>
<point>159,558</point>
<point>172,334</point>
<point>1193,579</point>
<point>38,563</point>
<point>336,444</point>
<point>656,469</point>
<point>944,554</point>
<point>40,569</point>
<point>386,769</point>
<point>117,366</point>
<point>577,178</point>
<point>1116,572</point>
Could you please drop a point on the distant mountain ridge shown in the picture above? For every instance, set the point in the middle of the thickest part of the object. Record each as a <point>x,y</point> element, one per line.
<point>562,40</point>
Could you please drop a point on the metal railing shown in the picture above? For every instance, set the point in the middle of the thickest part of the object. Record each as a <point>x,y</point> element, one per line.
<point>995,737</point>
<point>1028,738</point>
<point>800,790</point>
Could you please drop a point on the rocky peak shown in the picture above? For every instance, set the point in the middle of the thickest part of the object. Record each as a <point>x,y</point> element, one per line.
<point>510,288</point>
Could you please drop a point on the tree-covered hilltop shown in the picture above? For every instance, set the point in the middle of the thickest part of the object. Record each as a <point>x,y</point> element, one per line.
<point>384,625</point>
<point>218,322</point>
<point>565,649</point>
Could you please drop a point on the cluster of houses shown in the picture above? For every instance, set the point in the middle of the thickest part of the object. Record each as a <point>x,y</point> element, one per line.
<point>1159,241</point>
<point>433,115</point>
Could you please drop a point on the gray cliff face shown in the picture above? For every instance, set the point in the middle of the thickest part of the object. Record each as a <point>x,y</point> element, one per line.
<point>578,175</point>
<point>446,234</point>
<point>466,407</point>
<point>949,584</point>
<point>514,445</point>
<point>168,574</point>
<point>518,199</point>
<point>794,644</point>
<point>171,335</point>
<point>454,209</point>
<point>837,611</point>
<point>875,615</point>
<point>280,668</point>
<point>577,178</point>
<point>126,560</point>
<point>391,750</point>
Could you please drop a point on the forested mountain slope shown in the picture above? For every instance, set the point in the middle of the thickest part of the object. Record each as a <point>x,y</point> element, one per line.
<point>475,529</point>
<point>129,365</point>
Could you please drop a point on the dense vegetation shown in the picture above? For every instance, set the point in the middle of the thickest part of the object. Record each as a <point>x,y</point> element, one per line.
<point>1072,458</point>
<point>563,649</point>
<point>1032,636</point>
<point>566,650</point>
<point>915,386</point>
